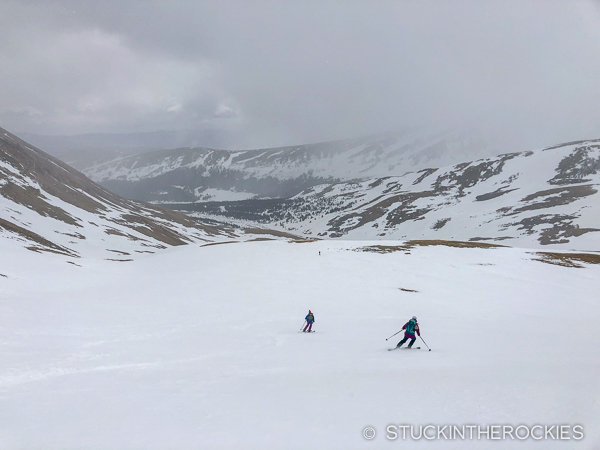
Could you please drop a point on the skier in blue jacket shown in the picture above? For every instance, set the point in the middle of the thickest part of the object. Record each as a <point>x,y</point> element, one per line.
<point>310,319</point>
<point>410,328</point>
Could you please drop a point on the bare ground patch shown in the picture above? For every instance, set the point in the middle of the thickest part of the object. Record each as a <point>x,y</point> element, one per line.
<point>277,233</point>
<point>554,197</point>
<point>440,223</point>
<point>219,243</point>
<point>423,243</point>
<point>456,244</point>
<point>560,228</point>
<point>383,249</point>
<point>567,259</point>
<point>119,252</point>
<point>490,195</point>
<point>499,238</point>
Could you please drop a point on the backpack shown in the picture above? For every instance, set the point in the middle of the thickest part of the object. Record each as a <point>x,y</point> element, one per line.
<point>410,326</point>
<point>310,318</point>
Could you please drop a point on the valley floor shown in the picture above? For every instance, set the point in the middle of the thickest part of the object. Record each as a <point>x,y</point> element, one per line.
<point>199,347</point>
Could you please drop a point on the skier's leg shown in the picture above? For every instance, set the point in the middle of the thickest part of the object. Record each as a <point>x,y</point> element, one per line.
<point>305,327</point>
<point>412,341</point>
<point>402,342</point>
<point>309,327</point>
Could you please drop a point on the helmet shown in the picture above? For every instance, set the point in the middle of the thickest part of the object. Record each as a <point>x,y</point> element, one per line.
<point>309,311</point>
<point>414,317</point>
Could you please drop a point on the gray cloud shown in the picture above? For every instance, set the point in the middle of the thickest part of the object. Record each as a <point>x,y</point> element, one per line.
<point>273,73</point>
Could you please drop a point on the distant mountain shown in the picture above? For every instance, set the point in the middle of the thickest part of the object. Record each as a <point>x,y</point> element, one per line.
<point>85,150</point>
<point>546,197</point>
<point>204,174</point>
<point>45,205</point>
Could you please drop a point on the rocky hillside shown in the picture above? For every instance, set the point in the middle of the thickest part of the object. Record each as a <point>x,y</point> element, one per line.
<point>203,174</point>
<point>546,197</point>
<point>46,205</point>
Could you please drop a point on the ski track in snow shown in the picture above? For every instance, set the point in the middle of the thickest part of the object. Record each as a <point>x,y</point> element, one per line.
<point>199,347</point>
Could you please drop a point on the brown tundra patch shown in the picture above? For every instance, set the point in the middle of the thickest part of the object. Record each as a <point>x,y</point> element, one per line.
<point>423,243</point>
<point>567,259</point>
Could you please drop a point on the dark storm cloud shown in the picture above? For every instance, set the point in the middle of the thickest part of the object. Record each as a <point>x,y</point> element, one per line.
<point>283,72</point>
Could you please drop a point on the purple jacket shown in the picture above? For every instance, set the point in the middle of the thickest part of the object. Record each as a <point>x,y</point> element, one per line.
<point>406,334</point>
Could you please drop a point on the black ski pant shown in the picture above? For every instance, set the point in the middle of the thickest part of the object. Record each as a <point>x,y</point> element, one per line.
<point>412,341</point>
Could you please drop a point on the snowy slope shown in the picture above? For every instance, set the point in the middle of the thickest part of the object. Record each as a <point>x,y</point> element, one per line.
<point>546,197</point>
<point>46,205</point>
<point>188,174</point>
<point>198,347</point>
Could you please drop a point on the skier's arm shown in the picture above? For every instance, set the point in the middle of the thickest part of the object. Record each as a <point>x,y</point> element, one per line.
<point>404,327</point>
<point>418,330</point>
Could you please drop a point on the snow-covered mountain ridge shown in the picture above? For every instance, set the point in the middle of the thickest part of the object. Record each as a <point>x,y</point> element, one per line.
<point>544,197</point>
<point>203,174</point>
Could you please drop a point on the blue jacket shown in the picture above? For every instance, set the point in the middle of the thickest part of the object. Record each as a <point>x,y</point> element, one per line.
<point>312,318</point>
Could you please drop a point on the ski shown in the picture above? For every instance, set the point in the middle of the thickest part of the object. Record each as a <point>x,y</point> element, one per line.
<point>404,348</point>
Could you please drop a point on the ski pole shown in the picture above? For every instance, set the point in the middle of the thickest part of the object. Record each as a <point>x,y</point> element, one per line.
<point>393,335</point>
<point>425,343</point>
<point>302,326</point>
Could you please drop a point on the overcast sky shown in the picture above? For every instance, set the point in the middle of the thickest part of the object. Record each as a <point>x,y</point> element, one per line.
<point>283,72</point>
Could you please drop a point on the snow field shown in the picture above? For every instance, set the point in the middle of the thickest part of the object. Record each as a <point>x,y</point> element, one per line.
<point>199,347</point>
